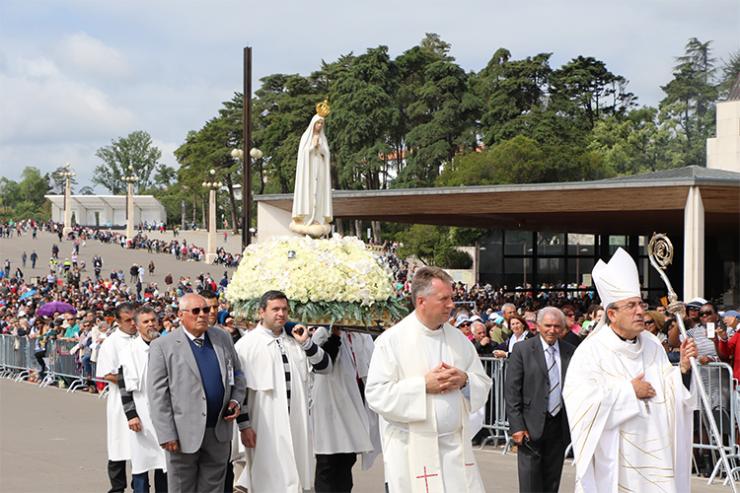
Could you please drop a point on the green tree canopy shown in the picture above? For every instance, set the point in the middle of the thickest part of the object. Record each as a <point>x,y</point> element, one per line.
<point>523,160</point>
<point>690,99</point>
<point>58,181</point>
<point>136,151</point>
<point>25,199</point>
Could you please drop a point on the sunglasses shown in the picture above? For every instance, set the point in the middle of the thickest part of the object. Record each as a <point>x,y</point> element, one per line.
<point>705,314</point>
<point>196,311</point>
<point>649,322</point>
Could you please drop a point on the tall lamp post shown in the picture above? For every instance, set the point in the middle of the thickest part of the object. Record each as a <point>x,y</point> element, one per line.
<point>67,174</point>
<point>130,179</point>
<point>212,185</point>
<point>255,155</point>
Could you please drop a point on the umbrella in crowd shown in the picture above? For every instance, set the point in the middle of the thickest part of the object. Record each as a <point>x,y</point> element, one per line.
<point>27,294</point>
<point>48,309</point>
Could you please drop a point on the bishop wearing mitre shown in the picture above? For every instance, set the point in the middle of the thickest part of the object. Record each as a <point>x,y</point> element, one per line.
<point>629,409</point>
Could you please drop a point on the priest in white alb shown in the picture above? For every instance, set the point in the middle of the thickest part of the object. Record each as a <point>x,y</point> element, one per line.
<point>425,379</point>
<point>276,430</point>
<point>146,454</point>
<point>108,368</point>
<point>629,409</point>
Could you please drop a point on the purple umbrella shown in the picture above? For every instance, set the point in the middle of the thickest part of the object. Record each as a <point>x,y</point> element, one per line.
<point>48,309</point>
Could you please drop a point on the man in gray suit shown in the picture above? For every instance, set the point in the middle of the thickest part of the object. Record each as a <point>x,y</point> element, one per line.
<point>195,387</point>
<point>534,403</point>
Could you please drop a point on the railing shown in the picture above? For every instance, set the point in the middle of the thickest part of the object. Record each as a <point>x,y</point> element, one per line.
<point>19,361</point>
<point>721,387</point>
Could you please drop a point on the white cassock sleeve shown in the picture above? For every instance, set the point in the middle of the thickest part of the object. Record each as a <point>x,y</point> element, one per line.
<point>107,358</point>
<point>395,399</point>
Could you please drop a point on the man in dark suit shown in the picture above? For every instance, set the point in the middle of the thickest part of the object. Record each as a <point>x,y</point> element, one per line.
<point>534,404</point>
<point>195,387</point>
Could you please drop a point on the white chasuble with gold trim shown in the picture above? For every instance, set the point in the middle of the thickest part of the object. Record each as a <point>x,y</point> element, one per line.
<point>621,443</point>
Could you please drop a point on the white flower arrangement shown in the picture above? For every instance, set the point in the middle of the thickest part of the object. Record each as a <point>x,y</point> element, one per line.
<point>332,280</point>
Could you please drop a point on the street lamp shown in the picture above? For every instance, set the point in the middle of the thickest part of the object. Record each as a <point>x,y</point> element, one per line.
<point>238,154</point>
<point>67,174</point>
<point>130,179</point>
<point>212,185</point>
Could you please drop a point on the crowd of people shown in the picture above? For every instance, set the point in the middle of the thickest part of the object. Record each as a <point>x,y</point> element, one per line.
<point>107,312</point>
<point>143,240</point>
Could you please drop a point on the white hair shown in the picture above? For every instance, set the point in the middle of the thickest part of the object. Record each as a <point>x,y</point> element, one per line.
<point>182,303</point>
<point>551,310</point>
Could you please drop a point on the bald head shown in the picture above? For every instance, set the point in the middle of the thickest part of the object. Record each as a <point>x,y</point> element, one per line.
<point>192,313</point>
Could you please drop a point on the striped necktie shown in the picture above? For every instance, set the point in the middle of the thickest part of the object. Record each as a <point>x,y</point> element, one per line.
<point>199,342</point>
<point>553,398</point>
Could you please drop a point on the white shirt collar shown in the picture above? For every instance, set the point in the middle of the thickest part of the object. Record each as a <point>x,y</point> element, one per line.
<point>192,337</point>
<point>546,346</point>
<point>428,329</point>
<point>269,331</point>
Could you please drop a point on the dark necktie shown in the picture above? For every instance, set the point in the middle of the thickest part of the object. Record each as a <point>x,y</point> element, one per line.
<point>199,342</point>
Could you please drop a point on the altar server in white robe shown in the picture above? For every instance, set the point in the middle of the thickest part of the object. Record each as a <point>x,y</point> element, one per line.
<point>146,454</point>
<point>629,410</point>
<point>425,379</point>
<point>108,368</point>
<point>278,436</point>
<point>341,422</point>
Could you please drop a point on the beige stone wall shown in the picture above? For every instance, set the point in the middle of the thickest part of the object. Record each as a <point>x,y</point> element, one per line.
<point>723,151</point>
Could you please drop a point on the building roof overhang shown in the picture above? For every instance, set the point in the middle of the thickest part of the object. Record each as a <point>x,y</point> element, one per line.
<point>627,205</point>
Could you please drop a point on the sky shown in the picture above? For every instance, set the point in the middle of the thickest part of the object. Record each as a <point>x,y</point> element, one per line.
<point>76,75</point>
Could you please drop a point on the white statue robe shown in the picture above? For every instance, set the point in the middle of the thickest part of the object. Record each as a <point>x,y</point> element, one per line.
<point>341,421</point>
<point>622,443</point>
<point>146,454</point>
<point>283,460</point>
<point>425,437</point>
<point>109,361</point>
<point>312,193</point>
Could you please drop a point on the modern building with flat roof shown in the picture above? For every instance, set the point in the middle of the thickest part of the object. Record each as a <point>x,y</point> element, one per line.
<point>549,232</point>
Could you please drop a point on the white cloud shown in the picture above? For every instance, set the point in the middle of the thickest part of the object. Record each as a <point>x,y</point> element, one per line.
<point>41,104</point>
<point>92,72</point>
<point>91,56</point>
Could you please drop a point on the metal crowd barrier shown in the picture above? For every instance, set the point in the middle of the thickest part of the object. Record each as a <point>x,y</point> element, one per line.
<point>495,423</point>
<point>722,388</point>
<point>18,362</point>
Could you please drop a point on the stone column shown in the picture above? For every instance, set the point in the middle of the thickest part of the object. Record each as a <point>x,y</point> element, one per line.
<point>130,211</point>
<point>693,245</point>
<point>211,244</point>
<point>67,206</point>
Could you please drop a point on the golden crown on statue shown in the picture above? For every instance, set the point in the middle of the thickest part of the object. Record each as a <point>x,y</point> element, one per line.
<point>322,108</point>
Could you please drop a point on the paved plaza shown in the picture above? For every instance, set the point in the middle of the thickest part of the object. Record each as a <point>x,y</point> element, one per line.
<point>51,440</point>
<point>54,440</point>
<point>116,257</point>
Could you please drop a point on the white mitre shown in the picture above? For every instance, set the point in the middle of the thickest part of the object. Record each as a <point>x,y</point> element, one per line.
<point>616,280</point>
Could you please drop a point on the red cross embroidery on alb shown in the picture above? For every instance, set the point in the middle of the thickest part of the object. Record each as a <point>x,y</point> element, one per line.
<point>425,476</point>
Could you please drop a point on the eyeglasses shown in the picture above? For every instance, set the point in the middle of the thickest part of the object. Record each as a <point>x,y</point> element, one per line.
<point>706,314</point>
<point>196,311</point>
<point>632,306</point>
